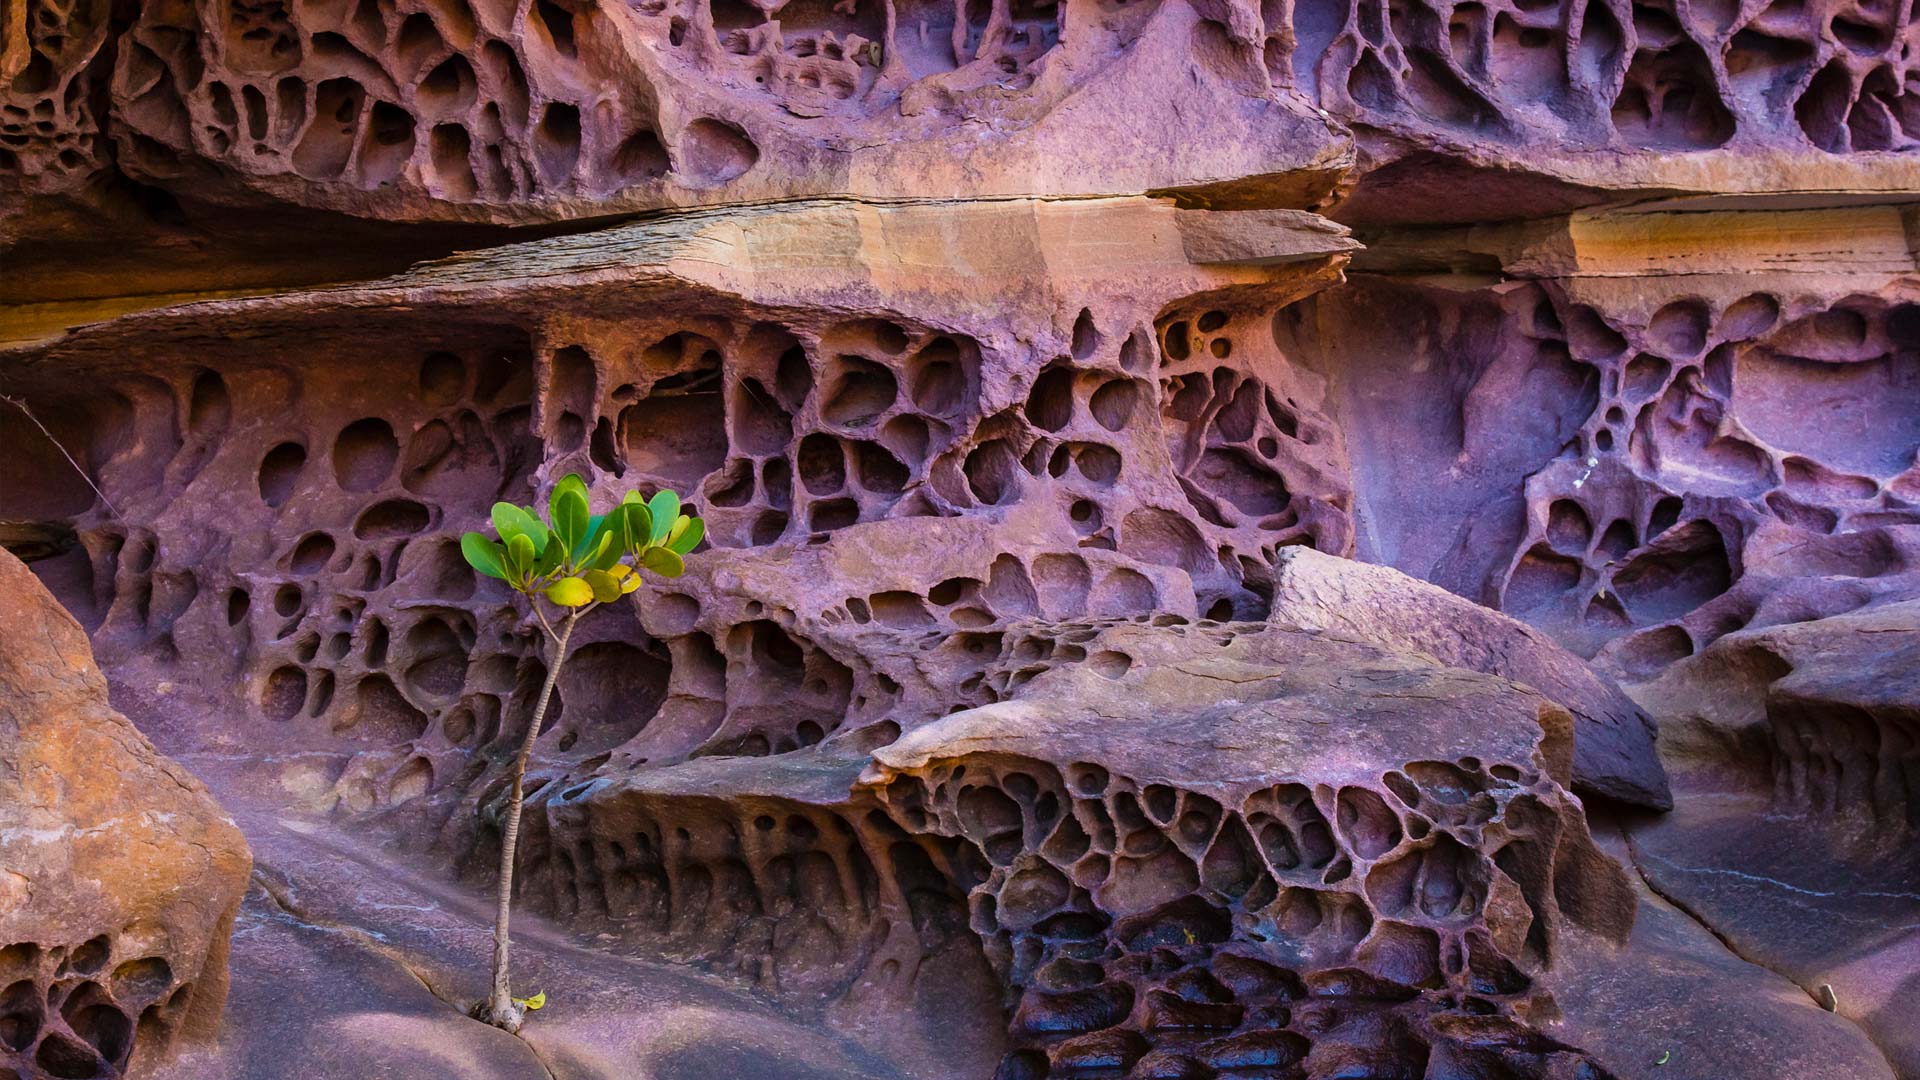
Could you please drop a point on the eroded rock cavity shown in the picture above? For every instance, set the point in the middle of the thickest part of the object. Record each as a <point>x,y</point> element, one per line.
<point>1145,627</point>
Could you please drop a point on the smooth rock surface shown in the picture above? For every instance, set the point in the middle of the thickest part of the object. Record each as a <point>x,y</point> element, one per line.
<point>1612,737</point>
<point>1800,844</point>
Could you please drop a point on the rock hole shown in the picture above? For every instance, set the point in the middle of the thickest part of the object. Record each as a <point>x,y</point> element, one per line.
<point>364,454</point>
<point>280,472</point>
<point>642,156</point>
<point>391,518</point>
<point>714,151</point>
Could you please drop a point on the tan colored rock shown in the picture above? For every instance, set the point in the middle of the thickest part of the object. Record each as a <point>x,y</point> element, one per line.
<point>1613,751</point>
<point>119,874</point>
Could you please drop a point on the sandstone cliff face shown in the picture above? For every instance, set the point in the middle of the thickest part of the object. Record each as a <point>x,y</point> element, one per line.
<point>1187,482</point>
<point>119,874</point>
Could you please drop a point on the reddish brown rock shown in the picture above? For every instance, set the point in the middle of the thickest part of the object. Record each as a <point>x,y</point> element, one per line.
<point>798,372</point>
<point>929,509</point>
<point>1349,853</point>
<point>119,874</point>
<point>1698,1011</point>
<point>1034,415</point>
<point>415,111</point>
<point>1668,479</point>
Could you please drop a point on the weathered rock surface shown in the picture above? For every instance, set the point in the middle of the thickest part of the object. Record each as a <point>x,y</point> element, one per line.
<point>1023,705</point>
<point>380,955</point>
<point>1801,845</point>
<point>1695,1005</point>
<point>1039,462</point>
<point>1713,437</point>
<point>1198,850</point>
<point>119,874</point>
<point>1612,737</point>
<point>425,109</point>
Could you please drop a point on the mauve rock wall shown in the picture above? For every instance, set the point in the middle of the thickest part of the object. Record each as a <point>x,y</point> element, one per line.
<point>497,111</point>
<point>1034,407</point>
<point>1695,457</point>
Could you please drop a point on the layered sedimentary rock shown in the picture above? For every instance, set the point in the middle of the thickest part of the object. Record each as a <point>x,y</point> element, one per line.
<point>119,874</point>
<point>1313,591</point>
<point>447,110</point>
<point>973,502</point>
<point>1031,698</point>
<point>1720,430</point>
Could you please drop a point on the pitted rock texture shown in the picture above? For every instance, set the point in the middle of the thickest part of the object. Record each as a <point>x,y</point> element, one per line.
<point>1697,458</point>
<point>1186,906</point>
<point>52,130</point>
<point>983,506</point>
<point>119,874</point>
<point>417,110</point>
<point>1451,100</point>
<point>1166,900</point>
<point>1801,745</point>
<point>1836,720</point>
<point>445,110</point>
<point>1022,704</point>
<point>1024,453</point>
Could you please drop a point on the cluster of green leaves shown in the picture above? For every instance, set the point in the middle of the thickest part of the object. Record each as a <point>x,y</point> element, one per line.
<point>576,557</point>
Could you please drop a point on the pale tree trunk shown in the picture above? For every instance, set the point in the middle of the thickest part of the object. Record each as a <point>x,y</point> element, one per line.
<point>501,1010</point>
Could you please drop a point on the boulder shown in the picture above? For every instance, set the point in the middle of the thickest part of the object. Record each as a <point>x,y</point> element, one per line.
<point>119,874</point>
<point>1613,741</point>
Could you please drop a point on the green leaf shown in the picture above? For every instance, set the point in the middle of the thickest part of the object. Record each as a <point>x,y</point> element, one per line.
<point>520,557</point>
<point>663,562</point>
<point>549,560</point>
<point>687,534</point>
<point>484,555</point>
<point>534,1003</point>
<point>665,507</point>
<point>605,588</point>
<point>570,592</point>
<point>635,530</point>
<point>597,527</point>
<point>510,521</point>
<point>570,517</point>
<point>605,554</point>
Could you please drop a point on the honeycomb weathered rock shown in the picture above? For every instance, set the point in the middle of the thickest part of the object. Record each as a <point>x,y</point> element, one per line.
<point>1207,848</point>
<point>1022,703</point>
<point>119,874</point>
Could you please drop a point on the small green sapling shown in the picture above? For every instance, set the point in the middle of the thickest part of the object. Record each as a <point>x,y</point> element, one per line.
<point>574,561</point>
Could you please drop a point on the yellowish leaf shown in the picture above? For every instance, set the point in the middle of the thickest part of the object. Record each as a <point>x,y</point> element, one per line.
<point>570,592</point>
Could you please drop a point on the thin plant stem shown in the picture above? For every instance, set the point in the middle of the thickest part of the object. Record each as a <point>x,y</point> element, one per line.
<point>502,1012</point>
<point>544,624</point>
